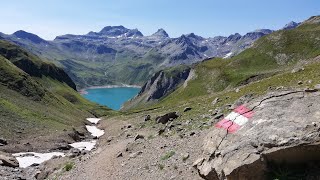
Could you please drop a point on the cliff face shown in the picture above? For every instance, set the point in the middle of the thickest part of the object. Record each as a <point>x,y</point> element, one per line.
<point>160,85</point>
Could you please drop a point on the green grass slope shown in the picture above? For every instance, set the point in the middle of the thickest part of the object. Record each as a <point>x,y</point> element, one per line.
<point>37,98</point>
<point>267,64</point>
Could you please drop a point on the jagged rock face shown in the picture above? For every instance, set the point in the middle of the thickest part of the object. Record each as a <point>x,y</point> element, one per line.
<point>284,128</point>
<point>160,85</point>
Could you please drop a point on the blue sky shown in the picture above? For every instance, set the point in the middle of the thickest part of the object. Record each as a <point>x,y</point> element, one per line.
<point>208,18</point>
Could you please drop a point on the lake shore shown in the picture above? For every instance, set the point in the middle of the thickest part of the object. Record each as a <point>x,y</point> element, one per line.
<point>83,91</point>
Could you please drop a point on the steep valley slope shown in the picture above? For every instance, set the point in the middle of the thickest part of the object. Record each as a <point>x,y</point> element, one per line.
<point>38,101</point>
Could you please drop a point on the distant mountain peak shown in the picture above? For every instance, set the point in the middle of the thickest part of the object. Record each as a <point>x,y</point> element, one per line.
<point>161,33</point>
<point>29,36</point>
<point>183,40</point>
<point>264,31</point>
<point>234,37</point>
<point>118,31</point>
<point>134,33</point>
<point>290,25</point>
<point>113,30</point>
<point>108,28</point>
<point>194,36</point>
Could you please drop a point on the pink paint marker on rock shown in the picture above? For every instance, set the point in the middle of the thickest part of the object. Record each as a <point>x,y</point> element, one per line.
<point>236,119</point>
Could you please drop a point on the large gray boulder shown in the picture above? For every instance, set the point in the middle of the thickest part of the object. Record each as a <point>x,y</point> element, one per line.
<point>8,160</point>
<point>284,128</point>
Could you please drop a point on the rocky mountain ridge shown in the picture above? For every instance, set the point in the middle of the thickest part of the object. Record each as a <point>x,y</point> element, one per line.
<point>267,52</point>
<point>115,48</point>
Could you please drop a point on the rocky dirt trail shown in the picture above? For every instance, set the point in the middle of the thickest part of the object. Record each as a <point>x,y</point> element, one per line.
<point>129,152</point>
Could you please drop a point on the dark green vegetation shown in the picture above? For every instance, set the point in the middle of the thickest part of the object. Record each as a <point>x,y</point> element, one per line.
<point>68,166</point>
<point>37,98</point>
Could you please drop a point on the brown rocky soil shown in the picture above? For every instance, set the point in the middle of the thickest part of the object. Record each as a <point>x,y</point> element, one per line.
<point>150,156</point>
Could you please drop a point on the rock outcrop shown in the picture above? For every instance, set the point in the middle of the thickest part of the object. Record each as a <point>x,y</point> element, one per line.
<point>167,117</point>
<point>160,85</point>
<point>8,160</point>
<point>284,129</point>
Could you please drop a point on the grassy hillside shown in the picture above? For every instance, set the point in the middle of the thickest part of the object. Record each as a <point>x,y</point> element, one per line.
<point>38,98</point>
<point>268,64</point>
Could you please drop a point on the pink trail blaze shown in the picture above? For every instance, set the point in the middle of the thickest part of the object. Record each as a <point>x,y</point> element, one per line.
<point>244,111</point>
<point>220,123</point>
<point>230,124</point>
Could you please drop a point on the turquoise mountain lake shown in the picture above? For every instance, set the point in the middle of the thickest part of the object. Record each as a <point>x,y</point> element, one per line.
<point>111,97</point>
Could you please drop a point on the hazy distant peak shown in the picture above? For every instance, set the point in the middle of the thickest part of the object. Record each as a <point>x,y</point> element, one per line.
<point>194,36</point>
<point>291,25</point>
<point>264,31</point>
<point>161,33</point>
<point>28,36</point>
<point>118,31</point>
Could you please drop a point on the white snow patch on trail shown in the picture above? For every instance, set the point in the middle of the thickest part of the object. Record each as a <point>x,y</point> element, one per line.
<point>96,132</point>
<point>94,120</point>
<point>88,146</point>
<point>227,55</point>
<point>27,159</point>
